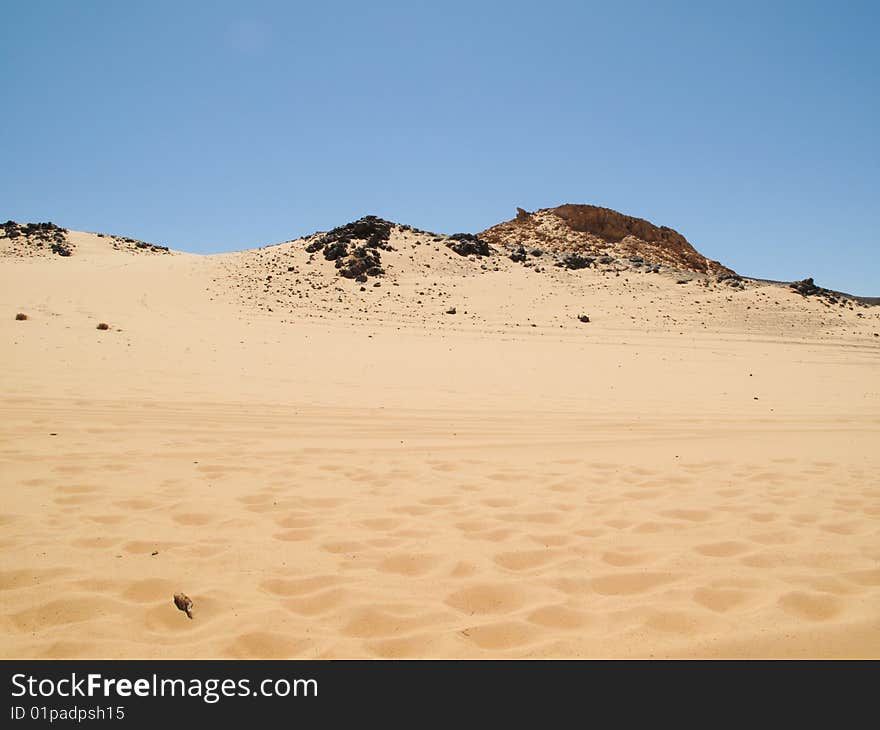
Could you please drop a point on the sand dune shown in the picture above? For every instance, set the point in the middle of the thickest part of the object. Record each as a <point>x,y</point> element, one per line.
<point>330,468</point>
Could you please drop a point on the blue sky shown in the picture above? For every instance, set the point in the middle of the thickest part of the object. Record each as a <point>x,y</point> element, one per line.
<point>750,127</point>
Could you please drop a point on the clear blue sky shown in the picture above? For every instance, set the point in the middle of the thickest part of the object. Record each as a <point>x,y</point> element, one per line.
<point>750,127</point>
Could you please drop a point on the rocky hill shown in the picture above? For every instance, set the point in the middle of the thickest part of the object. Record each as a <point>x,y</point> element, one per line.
<point>29,240</point>
<point>588,235</point>
<point>562,241</point>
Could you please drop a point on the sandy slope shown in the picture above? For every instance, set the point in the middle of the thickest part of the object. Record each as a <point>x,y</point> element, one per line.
<point>355,473</point>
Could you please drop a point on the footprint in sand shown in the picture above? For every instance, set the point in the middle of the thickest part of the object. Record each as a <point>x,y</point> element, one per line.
<point>287,587</point>
<point>778,537</point>
<point>139,504</point>
<point>763,516</point>
<point>408,564</point>
<point>559,617</point>
<point>268,645</point>
<point>373,623</point>
<point>843,528</point>
<point>63,611</point>
<point>626,584</point>
<point>499,502</point>
<point>551,540</point>
<point>343,546</point>
<point>297,521</point>
<point>441,501</point>
<point>415,646</point>
<point>193,518</point>
<point>26,578</point>
<point>811,606</point>
<point>622,559</point>
<point>721,600</point>
<point>865,577</point>
<point>724,549</point>
<point>381,524</point>
<point>75,499</point>
<point>690,515</point>
<point>487,598</point>
<point>321,602</point>
<point>526,559</point>
<point>501,635</point>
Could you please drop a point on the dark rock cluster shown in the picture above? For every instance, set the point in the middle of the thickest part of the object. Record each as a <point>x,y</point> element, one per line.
<point>575,261</point>
<point>40,235</point>
<point>732,280</point>
<point>637,263</point>
<point>122,242</point>
<point>808,288</point>
<point>355,247</point>
<point>518,255</point>
<point>467,244</point>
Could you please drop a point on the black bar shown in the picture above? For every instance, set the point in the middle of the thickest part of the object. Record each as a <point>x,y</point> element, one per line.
<point>550,693</point>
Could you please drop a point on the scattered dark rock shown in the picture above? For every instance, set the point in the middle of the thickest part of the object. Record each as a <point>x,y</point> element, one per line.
<point>336,250</point>
<point>808,288</point>
<point>155,248</point>
<point>536,252</point>
<point>371,229</point>
<point>355,247</point>
<point>12,229</point>
<point>575,261</point>
<point>583,318</point>
<point>451,310</point>
<point>362,262</point>
<point>519,255</point>
<point>731,279</point>
<point>62,249</point>
<point>20,317</point>
<point>103,326</point>
<point>40,235</point>
<point>467,244</point>
<point>124,242</point>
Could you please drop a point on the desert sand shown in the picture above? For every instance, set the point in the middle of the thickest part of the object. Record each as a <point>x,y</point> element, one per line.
<point>336,470</point>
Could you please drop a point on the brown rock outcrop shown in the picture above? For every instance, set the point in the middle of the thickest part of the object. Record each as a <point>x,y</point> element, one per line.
<point>596,231</point>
